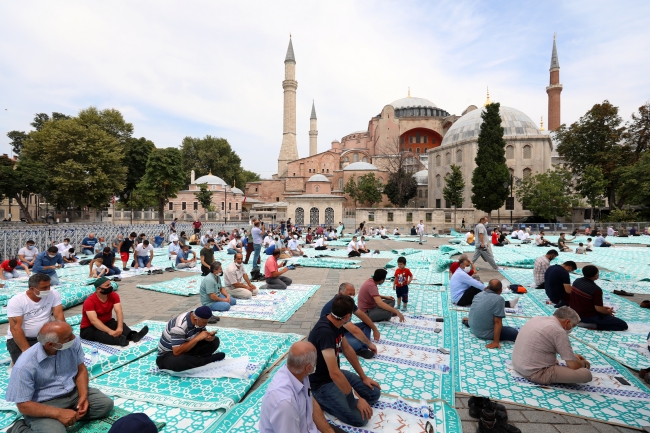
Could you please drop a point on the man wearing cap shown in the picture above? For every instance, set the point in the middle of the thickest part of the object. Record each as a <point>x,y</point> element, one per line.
<point>185,343</point>
<point>378,308</point>
<point>236,281</point>
<point>294,247</point>
<point>97,323</point>
<point>173,250</point>
<point>29,311</point>
<point>134,423</point>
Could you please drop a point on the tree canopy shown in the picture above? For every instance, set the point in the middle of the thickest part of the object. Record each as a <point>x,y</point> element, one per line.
<point>163,178</point>
<point>454,188</point>
<point>400,188</point>
<point>369,189</point>
<point>136,155</point>
<point>548,195</point>
<point>592,186</point>
<point>205,197</point>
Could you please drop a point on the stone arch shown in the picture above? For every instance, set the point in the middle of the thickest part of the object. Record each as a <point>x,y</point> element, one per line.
<point>510,152</point>
<point>438,181</point>
<point>438,160</point>
<point>448,158</point>
<point>527,172</point>
<point>459,155</point>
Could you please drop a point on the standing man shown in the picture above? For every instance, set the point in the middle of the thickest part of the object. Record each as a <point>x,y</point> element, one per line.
<point>378,308</point>
<point>27,254</point>
<point>420,230</point>
<point>483,245</point>
<point>47,263</point>
<point>462,223</point>
<point>256,232</point>
<point>108,260</point>
<point>249,240</point>
<point>143,255</point>
<point>207,257</point>
<point>236,281</point>
<point>197,225</point>
<point>172,225</point>
<point>273,275</point>
<point>29,311</point>
<point>541,265</point>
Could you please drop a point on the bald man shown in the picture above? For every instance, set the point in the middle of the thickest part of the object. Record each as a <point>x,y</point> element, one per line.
<point>287,405</point>
<point>49,384</point>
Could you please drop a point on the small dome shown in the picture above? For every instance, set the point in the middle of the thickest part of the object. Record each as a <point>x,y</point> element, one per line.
<point>412,103</point>
<point>422,177</point>
<point>318,178</point>
<point>514,122</point>
<point>210,180</point>
<point>360,166</point>
<point>236,190</point>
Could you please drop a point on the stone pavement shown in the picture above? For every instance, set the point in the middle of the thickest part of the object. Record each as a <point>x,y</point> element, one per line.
<point>141,305</point>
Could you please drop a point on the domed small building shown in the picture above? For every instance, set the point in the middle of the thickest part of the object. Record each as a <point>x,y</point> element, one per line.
<point>317,205</point>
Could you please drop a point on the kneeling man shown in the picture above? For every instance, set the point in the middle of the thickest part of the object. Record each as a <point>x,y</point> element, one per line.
<point>49,384</point>
<point>97,323</point>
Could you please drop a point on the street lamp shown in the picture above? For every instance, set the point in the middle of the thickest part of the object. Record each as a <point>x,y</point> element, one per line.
<point>225,205</point>
<point>510,203</point>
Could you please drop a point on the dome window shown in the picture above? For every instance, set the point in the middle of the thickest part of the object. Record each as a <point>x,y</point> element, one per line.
<point>510,152</point>
<point>528,152</point>
<point>438,160</point>
<point>356,157</point>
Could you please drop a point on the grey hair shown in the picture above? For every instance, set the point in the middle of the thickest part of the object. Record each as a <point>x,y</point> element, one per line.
<point>214,266</point>
<point>48,337</point>
<point>463,257</point>
<point>296,363</point>
<point>344,286</point>
<point>36,279</point>
<point>564,313</point>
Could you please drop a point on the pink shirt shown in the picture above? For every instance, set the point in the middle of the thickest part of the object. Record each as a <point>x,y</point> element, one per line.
<point>270,266</point>
<point>367,292</point>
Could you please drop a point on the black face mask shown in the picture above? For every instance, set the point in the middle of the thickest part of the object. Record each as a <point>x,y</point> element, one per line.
<point>106,291</point>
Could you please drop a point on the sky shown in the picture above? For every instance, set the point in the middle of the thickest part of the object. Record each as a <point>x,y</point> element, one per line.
<point>197,68</point>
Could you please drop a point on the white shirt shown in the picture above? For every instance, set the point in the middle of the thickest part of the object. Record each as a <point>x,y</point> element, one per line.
<point>320,242</point>
<point>467,235</point>
<point>34,314</point>
<point>395,231</point>
<point>520,234</point>
<point>63,248</point>
<point>610,231</point>
<point>524,236</point>
<point>538,239</point>
<point>293,244</point>
<point>27,253</point>
<point>361,245</point>
<point>420,228</point>
<point>98,268</point>
<point>173,237</point>
<point>351,246</point>
<point>142,251</point>
<point>232,244</point>
<point>268,240</point>
<point>383,232</point>
<point>173,249</point>
<point>590,245</point>
<point>204,239</point>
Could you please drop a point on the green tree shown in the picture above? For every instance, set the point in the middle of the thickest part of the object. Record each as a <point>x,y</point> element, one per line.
<point>352,189</point>
<point>17,138</point>
<point>108,120</point>
<point>41,118</point>
<point>248,176</point>
<point>491,172</point>
<point>622,215</point>
<point>548,195</point>
<point>163,178</point>
<point>597,139</point>
<point>19,180</point>
<point>592,186</point>
<point>205,198</point>
<point>369,189</point>
<point>136,155</point>
<point>400,188</point>
<point>454,188</point>
<point>636,180</point>
<point>637,135</point>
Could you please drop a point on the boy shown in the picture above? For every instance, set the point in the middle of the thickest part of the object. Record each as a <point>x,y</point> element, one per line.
<point>580,249</point>
<point>590,245</point>
<point>403,278</point>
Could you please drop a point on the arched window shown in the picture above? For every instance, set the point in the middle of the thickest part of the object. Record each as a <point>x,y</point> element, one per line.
<point>425,138</point>
<point>359,180</point>
<point>329,216</point>
<point>356,157</point>
<point>347,159</point>
<point>417,150</point>
<point>300,216</point>
<point>528,152</point>
<point>527,172</point>
<point>459,156</point>
<point>314,216</point>
<point>448,158</point>
<point>365,159</point>
<point>512,171</point>
<point>317,188</point>
<point>410,149</point>
<point>438,181</point>
<point>510,152</point>
<point>327,170</point>
<point>341,184</point>
<point>438,160</point>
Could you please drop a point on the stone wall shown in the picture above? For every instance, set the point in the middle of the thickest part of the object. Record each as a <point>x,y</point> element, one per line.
<point>405,218</point>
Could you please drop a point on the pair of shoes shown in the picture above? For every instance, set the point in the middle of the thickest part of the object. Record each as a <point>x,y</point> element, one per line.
<point>477,404</point>
<point>489,423</point>
<point>117,279</point>
<point>623,293</point>
<point>645,304</point>
<point>466,323</point>
<point>420,243</point>
<point>219,356</point>
<point>213,319</point>
<point>125,268</point>
<point>365,353</point>
<point>404,307</point>
<point>137,336</point>
<point>122,341</point>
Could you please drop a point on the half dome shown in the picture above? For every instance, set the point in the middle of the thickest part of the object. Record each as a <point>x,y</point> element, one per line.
<point>236,190</point>
<point>210,179</point>
<point>360,166</point>
<point>318,178</point>
<point>422,177</point>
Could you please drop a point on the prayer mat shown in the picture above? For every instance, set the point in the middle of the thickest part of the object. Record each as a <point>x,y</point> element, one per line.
<point>400,239</point>
<point>529,306</point>
<point>104,425</point>
<point>406,252</point>
<point>135,381</point>
<point>481,371</point>
<point>344,253</point>
<point>429,276</point>
<point>274,305</point>
<point>183,286</point>
<point>421,302</point>
<point>237,368</point>
<point>628,348</point>
<point>638,287</point>
<point>325,263</point>
<point>412,286</point>
<point>111,357</point>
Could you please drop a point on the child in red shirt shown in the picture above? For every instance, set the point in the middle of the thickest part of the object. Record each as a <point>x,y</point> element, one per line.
<point>403,278</point>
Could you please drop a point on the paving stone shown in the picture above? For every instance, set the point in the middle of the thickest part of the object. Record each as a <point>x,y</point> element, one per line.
<point>543,417</point>
<point>464,415</point>
<point>574,428</point>
<point>469,427</point>
<point>535,428</point>
<point>574,419</point>
<point>516,416</point>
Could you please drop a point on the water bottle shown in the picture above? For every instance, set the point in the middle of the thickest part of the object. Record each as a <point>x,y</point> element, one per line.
<point>520,309</point>
<point>608,299</point>
<point>94,355</point>
<point>424,409</point>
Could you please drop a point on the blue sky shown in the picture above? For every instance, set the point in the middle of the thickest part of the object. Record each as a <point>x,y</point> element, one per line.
<point>195,68</point>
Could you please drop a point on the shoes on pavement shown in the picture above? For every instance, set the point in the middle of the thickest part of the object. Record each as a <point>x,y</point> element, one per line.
<point>477,404</point>
<point>645,304</point>
<point>623,293</point>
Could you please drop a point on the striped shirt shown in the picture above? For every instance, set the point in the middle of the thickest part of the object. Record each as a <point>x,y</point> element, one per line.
<point>178,331</point>
<point>39,377</point>
<point>541,265</point>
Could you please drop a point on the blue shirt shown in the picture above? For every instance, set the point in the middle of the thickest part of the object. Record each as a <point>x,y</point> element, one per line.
<point>460,282</point>
<point>257,236</point>
<point>555,278</point>
<point>158,239</point>
<point>39,377</point>
<point>181,255</point>
<point>269,250</point>
<point>90,242</point>
<point>599,241</point>
<point>42,259</point>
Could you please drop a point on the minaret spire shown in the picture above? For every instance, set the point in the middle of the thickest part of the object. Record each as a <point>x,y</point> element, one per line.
<point>290,56</point>
<point>553,90</point>
<point>487,101</point>
<point>289,149</point>
<point>313,131</point>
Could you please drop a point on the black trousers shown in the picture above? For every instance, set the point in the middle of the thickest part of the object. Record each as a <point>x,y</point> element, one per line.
<point>320,248</point>
<point>354,254</point>
<point>198,356</point>
<point>468,297</point>
<point>204,270</point>
<point>93,334</point>
<point>14,350</point>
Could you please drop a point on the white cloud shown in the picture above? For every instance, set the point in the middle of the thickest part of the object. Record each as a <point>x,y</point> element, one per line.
<point>197,68</point>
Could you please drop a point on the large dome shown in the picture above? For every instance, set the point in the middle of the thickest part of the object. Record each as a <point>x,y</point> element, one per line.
<point>410,102</point>
<point>514,122</point>
<point>417,107</point>
<point>210,180</point>
<point>360,166</point>
<point>318,178</point>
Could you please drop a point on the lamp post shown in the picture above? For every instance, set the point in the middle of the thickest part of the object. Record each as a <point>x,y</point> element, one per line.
<point>511,200</point>
<point>225,205</point>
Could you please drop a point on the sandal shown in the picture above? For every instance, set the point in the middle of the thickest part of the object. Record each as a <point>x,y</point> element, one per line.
<point>623,293</point>
<point>645,304</point>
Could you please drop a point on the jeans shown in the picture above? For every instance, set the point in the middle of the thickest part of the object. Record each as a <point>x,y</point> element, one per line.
<point>606,322</point>
<point>232,251</point>
<point>87,251</point>
<point>143,261</point>
<point>157,245</point>
<point>279,283</point>
<point>508,334</point>
<point>91,333</point>
<point>10,275</point>
<point>354,341</point>
<point>332,400</point>
<point>54,279</point>
<point>222,305</point>
<point>113,270</point>
<point>15,351</point>
<point>256,256</point>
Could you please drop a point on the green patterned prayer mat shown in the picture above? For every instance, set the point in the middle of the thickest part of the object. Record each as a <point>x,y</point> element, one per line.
<point>139,380</point>
<point>401,239</point>
<point>344,253</point>
<point>630,349</point>
<point>274,305</point>
<point>639,287</point>
<point>183,286</point>
<point>529,306</point>
<point>421,301</point>
<point>406,252</point>
<point>326,263</point>
<point>430,276</point>
<point>104,425</point>
<point>484,372</point>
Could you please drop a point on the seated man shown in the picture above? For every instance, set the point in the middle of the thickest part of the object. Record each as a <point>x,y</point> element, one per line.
<point>557,283</point>
<point>8,268</point>
<point>601,242</point>
<point>88,244</point>
<point>97,323</point>
<point>539,342</point>
<point>540,241</point>
<point>464,288</point>
<point>63,246</point>
<point>234,246</point>
<point>357,334</point>
<point>212,293</point>
<point>541,265</point>
<point>108,260</point>
<point>28,253</point>
<point>183,258</point>
<point>185,343</point>
<point>195,239</point>
<point>586,300</point>
<point>379,308</point>
<point>353,250</point>
<point>486,316</point>
<point>158,240</point>
<point>116,243</point>
<point>47,263</point>
<point>49,384</point>
<point>335,389</point>
<point>561,243</point>
<point>361,246</point>
<point>69,256</point>
<point>294,246</point>
<point>287,405</point>
<point>396,232</point>
<point>273,275</point>
<point>29,311</point>
<point>236,280</point>
<point>99,246</point>
<point>143,255</point>
<point>470,270</point>
<point>320,244</point>
<point>173,250</point>
<point>633,232</point>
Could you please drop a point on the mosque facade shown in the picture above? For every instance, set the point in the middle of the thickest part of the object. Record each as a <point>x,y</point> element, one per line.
<point>426,137</point>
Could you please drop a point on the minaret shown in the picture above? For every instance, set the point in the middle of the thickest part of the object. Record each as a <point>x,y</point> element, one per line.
<point>289,149</point>
<point>313,132</point>
<point>554,89</point>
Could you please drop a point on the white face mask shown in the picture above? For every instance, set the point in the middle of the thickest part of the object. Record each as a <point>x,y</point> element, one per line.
<point>42,294</point>
<point>64,346</point>
<point>313,370</point>
<point>467,269</point>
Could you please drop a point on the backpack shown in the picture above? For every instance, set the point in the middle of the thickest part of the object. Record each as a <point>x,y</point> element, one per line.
<point>256,275</point>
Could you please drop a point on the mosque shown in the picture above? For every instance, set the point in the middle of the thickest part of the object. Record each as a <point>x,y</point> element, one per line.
<point>426,138</point>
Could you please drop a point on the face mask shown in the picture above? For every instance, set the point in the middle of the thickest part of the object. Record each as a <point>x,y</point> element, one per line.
<point>313,371</point>
<point>51,256</point>
<point>43,294</point>
<point>65,243</point>
<point>106,291</point>
<point>65,346</point>
<point>31,247</point>
<point>467,269</point>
